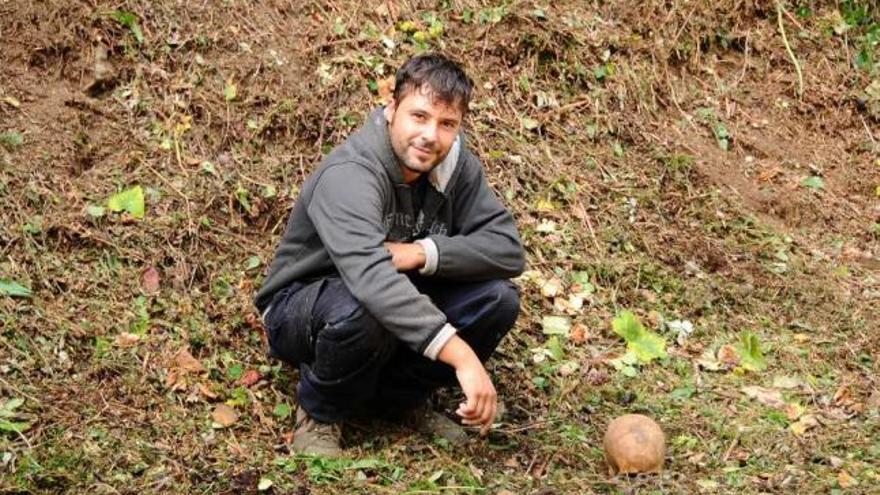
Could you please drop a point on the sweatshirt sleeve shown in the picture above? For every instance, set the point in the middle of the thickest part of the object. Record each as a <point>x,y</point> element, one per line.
<point>484,243</point>
<point>346,210</point>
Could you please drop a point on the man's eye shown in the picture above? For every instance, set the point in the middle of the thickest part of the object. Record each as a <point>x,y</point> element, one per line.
<point>419,116</point>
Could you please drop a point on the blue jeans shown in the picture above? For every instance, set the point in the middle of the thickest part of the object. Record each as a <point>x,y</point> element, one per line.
<point>350,366</point>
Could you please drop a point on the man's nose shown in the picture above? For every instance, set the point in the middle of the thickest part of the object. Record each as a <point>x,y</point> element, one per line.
<point>429,132</point>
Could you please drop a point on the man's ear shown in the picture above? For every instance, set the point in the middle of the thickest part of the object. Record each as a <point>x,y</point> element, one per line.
<point>390,108</point>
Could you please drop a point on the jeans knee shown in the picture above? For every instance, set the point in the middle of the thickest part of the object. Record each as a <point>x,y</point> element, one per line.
<point>507,297</point>
<point>346,347</point>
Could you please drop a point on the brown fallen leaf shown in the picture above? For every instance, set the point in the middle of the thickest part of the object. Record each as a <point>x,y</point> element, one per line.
<point>578,334</point>
<point>151,280</point>
<point>793,411</point>
<point>287,437</point>
<point>224,415</point>
<point>766,396</point>
<point>206,391</point>
<point>171,379</point>
<point>728,355</point>
<point>807,422</point>
<point>186,362</point>
<point>845,480</point>
<point>386,88</point>
<point>126,339</point>
<point>249,378</point>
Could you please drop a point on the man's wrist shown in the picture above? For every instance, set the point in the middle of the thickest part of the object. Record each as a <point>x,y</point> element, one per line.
<point>458,354</point>
<point>431,256</point>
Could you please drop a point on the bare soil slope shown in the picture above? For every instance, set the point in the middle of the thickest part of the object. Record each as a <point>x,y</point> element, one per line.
<point>661,157</point>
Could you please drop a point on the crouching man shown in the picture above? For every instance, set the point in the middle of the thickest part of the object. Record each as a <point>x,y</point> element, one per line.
<point>391,279</point>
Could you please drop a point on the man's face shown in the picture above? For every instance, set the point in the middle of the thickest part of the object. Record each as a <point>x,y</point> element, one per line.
<point>422,131</point>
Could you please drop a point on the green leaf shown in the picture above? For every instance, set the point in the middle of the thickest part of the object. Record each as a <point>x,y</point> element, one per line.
<point>12,288</point>
<point>235,371</point>
<point>230,92</point>
<point>626,364</point>
<point>269,191</point>
<point>241,194</point>
<point>282,411</point>
<point>6,410</point>
<point>11,140</point>
<point>131,200</point>
<point>530,123</point>
<point>7,414</point>
<point>555,348</point>
<point>813,182</point>
<point>252,262</point>
<point>556,325</point>
<point>129,20</point>
<point>138,35</point>
<point>13,426</point>
<point>646,345</point>
<point>751,356</point>
<point>95,211</point>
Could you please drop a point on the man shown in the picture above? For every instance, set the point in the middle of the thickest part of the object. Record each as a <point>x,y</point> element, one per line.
<point>391,279</point>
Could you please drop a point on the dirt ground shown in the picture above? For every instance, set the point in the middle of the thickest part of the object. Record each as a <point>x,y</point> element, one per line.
<point>680,160</point>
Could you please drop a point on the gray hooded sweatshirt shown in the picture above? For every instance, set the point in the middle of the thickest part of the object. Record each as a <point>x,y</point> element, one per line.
<point>357,199</point>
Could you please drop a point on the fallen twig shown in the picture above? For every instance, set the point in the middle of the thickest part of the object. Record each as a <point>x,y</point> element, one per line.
<point>797,66</point>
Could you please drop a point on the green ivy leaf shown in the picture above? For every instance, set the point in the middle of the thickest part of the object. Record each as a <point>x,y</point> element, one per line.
<point>12,288</point>
<point>751,356</point>
<point>131,200</point>
<point>282,410</point>
<point>646,345</point>
<point>813,182</point>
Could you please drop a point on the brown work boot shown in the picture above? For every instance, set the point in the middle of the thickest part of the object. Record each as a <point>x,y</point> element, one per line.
<point>312,437</point>
<point>424,419</point>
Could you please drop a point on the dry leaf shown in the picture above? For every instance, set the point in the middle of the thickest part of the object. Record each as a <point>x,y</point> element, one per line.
<point>224,415</point>
<point>551,288</point>
<point>170,379</point>
<point>126,339</point>
<point>793,411</point>
<point>578,334</point>
<point>287,437</point>
<point>787,382</point>
<point>727,354</point>
<point>842,396</point>
<point>186,362</point>
<point>151,280</point>
<point>845,480</point>
<point>766,396</point>
<point>207,391</point>
<point>801,426</point>
<point>249,378</point>
<point>386,88</point>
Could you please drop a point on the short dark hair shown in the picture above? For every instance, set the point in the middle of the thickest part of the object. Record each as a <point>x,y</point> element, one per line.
<point>444,77</point>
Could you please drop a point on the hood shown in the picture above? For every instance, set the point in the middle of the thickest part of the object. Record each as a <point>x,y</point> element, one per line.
<point>376,141</point>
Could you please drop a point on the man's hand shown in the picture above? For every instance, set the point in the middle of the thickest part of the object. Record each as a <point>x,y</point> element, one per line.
<point>481,402</point>
<point>406,256</point>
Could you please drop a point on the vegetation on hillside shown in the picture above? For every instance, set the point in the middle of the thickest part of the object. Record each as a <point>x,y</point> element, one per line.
<point>697,185</point>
